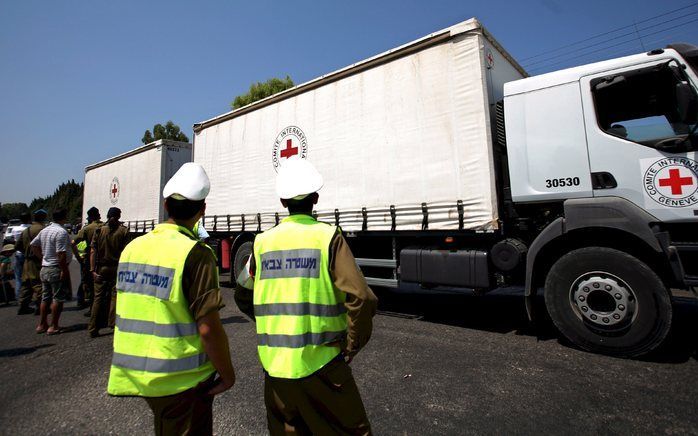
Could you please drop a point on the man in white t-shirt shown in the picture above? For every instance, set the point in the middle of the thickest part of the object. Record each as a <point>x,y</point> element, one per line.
<point>53,246</point>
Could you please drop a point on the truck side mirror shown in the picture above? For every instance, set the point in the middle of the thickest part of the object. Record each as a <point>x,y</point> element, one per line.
<point>686,103</point>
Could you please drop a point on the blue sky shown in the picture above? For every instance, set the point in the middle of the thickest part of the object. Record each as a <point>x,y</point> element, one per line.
<point>80,81</point>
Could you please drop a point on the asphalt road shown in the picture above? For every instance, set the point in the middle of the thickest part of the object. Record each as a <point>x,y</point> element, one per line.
<point>446,364</point>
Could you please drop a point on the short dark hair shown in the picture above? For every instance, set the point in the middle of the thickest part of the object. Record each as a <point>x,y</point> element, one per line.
<point>183,209</point>
<point>301,206</point>
<point>25,217</point>
<point>60,214</point>
<point>93,212</point>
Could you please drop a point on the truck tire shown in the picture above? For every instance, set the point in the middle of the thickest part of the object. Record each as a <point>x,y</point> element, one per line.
<point>242,254</point>
<point>607,301</point>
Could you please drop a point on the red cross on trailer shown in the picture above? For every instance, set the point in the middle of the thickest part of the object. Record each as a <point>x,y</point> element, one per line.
<point>676,181</point>
<point>290,150</point>
<point>114,190</point>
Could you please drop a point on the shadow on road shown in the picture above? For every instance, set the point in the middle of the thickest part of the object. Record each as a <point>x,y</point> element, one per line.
<point>72,308</point>
<point>11,352</point>
<point>234,320</point>
<point>74,328</point>
<point>681,344</point>
<point>500,311</point>
<point>503,311</point>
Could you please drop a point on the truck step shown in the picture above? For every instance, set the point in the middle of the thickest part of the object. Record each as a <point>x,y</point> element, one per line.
<point>386,283</point>
<point>691,280</point>
<point>381,263</point>
<point>685,246</point>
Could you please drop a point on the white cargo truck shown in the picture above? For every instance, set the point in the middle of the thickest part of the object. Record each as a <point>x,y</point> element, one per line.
<point>133,182</point>
<point>446,166</point>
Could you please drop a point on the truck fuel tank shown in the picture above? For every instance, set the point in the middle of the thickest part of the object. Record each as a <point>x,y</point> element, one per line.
<point>460,268</point>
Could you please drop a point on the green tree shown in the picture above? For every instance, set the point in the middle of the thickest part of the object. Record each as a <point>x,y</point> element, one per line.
<point>169,131</point>
<point>261,90</point>
<point>67,195</point>
<point>9,211</point>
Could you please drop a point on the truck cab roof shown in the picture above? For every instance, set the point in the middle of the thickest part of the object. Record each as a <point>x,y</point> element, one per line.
<point>568,75</point>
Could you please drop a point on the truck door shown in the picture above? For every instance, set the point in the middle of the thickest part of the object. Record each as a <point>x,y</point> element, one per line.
<point>639,122</point>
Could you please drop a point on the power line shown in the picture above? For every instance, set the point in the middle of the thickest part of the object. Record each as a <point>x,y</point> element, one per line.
<point>657,42</point>
<point>546,66</point>
<point>540,68</point>
<point>610,31</point>
<point>632,33</point>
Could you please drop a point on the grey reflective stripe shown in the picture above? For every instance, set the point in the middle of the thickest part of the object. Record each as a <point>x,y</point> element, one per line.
<point>282,264</point>
<point>138,278</point>
<point>299,309</point>
<point>151,364</point>
<point>299,341</point>
<point>151,328</point>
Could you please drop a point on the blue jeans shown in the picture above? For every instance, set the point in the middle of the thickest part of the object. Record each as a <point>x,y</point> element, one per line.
<point>19,265</point>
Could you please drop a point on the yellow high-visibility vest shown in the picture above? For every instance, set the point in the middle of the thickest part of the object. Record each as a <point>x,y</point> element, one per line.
<point>157,347</point>
<point>82,247</point>
<point>297,307</point>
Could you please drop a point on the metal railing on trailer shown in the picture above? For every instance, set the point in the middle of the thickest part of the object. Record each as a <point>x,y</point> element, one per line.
<point>140,226</point>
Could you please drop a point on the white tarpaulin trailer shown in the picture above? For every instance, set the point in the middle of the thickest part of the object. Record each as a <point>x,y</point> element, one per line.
<point>133,182</point>
<point>402,139</point>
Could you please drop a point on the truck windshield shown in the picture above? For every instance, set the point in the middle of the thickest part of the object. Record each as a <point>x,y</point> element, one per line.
<point>643,106</point>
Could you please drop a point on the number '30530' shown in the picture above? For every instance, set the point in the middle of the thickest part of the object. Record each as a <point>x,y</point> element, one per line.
<point>562,182</point>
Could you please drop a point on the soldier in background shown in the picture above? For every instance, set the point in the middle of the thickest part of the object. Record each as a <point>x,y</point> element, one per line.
<point>81,250</point>
<point>7,293</point>
<point>25,218</point>
<point>108,242</point>
<point>31,282</point>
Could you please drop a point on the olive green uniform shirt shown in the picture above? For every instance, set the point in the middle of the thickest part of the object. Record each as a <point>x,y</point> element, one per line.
<point>86,234</point>
<point>108,244</point>
<point>32,264</point>
<point>200,282</point>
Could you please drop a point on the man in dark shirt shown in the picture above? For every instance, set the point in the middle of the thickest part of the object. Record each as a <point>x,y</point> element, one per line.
<point>84,238</point>
<point>31,282</point>
<point>107,244</point>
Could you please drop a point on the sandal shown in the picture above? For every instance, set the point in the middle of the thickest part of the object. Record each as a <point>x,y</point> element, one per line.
<point>40,330</point>
<point>51,331</point>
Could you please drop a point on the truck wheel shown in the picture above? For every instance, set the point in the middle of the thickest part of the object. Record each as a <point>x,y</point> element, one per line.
<point>606,301</point>
<point>240,258</point>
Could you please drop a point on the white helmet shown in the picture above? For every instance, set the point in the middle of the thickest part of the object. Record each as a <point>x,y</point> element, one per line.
<point>190,182</point>
<point>297,179</point>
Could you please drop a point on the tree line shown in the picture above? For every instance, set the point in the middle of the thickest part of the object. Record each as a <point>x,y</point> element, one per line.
<point>67,195</point>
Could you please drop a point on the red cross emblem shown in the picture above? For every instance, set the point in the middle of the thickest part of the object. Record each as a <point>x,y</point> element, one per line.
<point>676,182</point>
<point>114,190</point>
<point>290,150</point>
<point>289,143</point>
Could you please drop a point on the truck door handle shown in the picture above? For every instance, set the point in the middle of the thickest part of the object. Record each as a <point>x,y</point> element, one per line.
<point>603,180</point>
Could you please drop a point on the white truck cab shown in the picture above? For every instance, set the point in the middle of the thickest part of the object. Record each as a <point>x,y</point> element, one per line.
<point>609,150</point>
